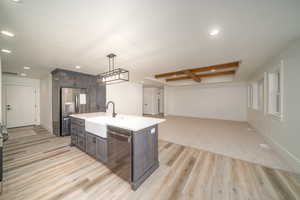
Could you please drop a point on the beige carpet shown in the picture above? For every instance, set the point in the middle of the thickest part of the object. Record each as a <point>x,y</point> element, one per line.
<point>229,138</point>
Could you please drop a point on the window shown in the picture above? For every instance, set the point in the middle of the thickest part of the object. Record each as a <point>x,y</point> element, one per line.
<point>260,100</point>
<point>275,80</point>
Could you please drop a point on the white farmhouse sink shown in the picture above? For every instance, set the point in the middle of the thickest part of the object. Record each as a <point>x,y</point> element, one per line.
<point>96,126</point>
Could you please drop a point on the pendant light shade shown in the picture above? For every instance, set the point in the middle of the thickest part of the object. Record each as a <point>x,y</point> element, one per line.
<point>113,75</point>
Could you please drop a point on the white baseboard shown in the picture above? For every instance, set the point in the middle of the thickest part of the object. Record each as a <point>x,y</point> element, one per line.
<point>151,113</point>
<point>290,158</point>
<point>203,117</point>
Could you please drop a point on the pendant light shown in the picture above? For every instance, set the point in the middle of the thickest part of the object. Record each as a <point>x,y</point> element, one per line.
<point>113,75</point>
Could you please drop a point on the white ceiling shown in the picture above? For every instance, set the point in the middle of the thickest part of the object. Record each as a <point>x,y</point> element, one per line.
<point>149,37</point>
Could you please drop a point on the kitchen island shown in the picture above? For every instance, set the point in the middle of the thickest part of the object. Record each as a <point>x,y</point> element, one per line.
<point>126,144</point>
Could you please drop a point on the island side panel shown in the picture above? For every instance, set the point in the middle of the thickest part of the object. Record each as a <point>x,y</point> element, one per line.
<point>145,154</point>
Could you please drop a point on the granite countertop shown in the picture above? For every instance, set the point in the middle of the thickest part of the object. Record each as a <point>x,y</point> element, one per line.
<point>128,122</point>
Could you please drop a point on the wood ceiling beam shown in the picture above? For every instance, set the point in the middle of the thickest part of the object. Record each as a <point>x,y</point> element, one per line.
<point>192,76</point>
<point>200,69</point>
<point>201,76</point>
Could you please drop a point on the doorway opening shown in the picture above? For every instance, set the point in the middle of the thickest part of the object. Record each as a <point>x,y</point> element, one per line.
<point>153,101</point>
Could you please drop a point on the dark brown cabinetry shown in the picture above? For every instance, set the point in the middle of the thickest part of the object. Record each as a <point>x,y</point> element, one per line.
<point>73,134</point>
<point>78,136</point>
<point>93,145</point>
<point>96,147</point>
<point>81,142</point>
<point>101,149</point>
<point>131,155</point>
<point>96,93</point>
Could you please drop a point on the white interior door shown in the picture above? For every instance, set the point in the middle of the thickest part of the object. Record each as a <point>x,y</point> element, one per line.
<point>20,106</point>
<point>147,101</point>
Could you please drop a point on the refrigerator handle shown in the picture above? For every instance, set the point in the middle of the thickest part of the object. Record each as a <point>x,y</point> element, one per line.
<point>76,104</point>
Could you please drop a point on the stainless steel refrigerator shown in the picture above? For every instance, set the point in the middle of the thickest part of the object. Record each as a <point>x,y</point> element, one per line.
<point>73,101</point>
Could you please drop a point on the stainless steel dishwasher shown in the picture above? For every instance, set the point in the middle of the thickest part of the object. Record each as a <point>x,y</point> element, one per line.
<point>120,152</point>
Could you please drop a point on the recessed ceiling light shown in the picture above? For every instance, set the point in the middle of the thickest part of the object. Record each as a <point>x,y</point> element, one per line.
<point>77,67</point>
<point>7,33</point>
<point>214,32</point>
<point>6,51</point>
<point>17,1</point>
<point>213,70</point>
<point>23,74</point>
<point>25,67</point>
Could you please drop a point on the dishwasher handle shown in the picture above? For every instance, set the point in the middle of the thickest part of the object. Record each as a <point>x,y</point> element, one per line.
<point>112,133</point>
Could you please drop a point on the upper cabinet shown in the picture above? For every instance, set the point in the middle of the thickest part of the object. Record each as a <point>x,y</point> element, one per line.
<point>96,97</point>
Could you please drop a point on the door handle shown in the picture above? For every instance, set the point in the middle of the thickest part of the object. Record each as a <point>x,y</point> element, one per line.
<point>76,104</point>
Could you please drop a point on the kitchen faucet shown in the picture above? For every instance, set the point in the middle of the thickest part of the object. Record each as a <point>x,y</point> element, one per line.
<point>114,114</point>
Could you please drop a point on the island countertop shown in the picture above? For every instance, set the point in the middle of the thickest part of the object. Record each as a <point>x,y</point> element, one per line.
<point>128,122</point>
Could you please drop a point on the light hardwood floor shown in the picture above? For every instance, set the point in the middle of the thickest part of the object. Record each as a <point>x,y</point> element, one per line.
<point>43,166</point>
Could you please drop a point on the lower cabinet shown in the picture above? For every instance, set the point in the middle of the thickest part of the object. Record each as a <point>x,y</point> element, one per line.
<point>87,142</point>
<point>101,149</point>
<point>78,133</point>
<point>96,147</point>
<point>81,142</point>
<point>91,144</point>
<point>73,138</point>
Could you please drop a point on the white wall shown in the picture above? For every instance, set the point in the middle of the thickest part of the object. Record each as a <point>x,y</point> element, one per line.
<point>283,135</point>
<point>127,96</point>
<point>226,101</point>
<point>162,101</point>
<point>15,80</point>
<point>46,102</point>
